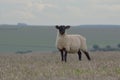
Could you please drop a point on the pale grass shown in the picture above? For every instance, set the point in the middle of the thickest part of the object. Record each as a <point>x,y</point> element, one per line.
<point>48,66</point>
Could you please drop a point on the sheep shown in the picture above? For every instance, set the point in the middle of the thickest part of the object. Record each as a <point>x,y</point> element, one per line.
<point>70,43</point>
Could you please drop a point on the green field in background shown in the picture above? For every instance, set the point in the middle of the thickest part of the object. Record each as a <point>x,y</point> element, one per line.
<point>36,38</point>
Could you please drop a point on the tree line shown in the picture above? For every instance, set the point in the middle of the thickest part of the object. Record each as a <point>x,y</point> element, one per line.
<point>96,47</point>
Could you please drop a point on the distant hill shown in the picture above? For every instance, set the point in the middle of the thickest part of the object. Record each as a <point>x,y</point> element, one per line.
<point>14,38</point>
<point>99,26</point>
<point>82,26</point>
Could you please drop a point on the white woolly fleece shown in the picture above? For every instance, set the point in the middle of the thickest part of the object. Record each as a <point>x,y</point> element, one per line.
<point>72,43</point>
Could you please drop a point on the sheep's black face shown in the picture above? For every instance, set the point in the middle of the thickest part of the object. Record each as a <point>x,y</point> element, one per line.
<point>62,29</point>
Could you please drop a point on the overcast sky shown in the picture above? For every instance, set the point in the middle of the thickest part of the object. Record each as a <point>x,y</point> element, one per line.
<point>52,12</point>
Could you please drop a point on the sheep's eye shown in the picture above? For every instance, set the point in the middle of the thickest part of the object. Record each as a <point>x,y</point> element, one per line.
<point>62,29</point>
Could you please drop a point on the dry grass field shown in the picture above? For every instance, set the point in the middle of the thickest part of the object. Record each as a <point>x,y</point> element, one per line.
<point>47,66</point>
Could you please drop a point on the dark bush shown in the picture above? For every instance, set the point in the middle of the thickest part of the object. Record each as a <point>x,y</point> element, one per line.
<point>96,47</point>
<point>23,52</point>
<point>118,45</point>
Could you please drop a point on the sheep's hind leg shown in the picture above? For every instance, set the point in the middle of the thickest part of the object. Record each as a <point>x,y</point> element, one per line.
<point>87,54</point>
<point>79,55</point>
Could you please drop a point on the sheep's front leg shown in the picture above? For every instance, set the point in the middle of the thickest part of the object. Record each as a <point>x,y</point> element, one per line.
<point>62,55</point>
<point>65,56</point>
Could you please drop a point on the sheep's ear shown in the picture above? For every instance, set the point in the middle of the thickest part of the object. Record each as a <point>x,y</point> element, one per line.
<point>67,27</point>
<point>57,27</point>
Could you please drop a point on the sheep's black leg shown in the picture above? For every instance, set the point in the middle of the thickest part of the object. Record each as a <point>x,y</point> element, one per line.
<point>62,55</point>
<point>65,56</point>
<point>87,54</point>
<point>79,55</point>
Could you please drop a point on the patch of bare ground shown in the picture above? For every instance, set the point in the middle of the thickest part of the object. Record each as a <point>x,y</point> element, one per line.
<point>48,66</point>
